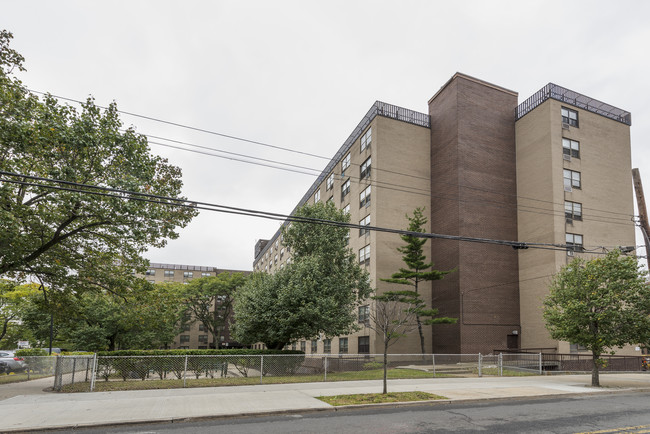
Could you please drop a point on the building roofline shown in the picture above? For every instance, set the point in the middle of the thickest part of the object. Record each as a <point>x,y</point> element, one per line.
<point>570,97</point>
<point>379,108</point>
<point>475,80</point>
<point>191,267</point>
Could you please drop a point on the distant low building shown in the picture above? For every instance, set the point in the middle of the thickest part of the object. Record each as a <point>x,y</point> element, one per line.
<point>194,336</point>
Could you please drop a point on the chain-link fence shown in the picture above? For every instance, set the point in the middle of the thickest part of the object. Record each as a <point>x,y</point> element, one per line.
<point>69,370</point>
<point>88,373</point>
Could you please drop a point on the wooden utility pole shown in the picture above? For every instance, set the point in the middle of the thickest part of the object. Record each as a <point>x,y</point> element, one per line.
<point>643,213</point>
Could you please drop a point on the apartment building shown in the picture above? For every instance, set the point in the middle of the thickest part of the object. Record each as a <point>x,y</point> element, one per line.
<point>194,335</point>
<point>554,169</point>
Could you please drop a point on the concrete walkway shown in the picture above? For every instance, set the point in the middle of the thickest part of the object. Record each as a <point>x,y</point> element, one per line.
<point>41,410</point>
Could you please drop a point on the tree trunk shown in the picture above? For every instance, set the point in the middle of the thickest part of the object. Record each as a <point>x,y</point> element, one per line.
<point>385,367</point>
<point>595,379</point>
<point>417,319</point>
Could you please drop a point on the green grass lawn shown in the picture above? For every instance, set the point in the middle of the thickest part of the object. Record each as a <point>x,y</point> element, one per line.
<point>374,374</point>
<point>378,398</point>
<point>16,378</point>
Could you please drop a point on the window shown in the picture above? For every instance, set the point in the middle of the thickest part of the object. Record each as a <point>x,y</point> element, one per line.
<point>281,253</point>
<point>330,182</point>
<point>573,210</point>
<point>364,254</point>
<point>183,348</point>
<point>303,346</point>
<point>317,196</point>
<point>345,189</point>
<point>327,346</point>
<point>201,327</point>
<point>571,147</point>
<point>365,169</point>
<point>574,348</point>
<point>185,338</point>
<point>569,117</point>
<point>343,345</point>
<point>169,273</point>
<point>364,345</point>
<point>366,140</point>
<point>293,346</point>
<point>188,274</point>
<point>364,222</point>
<point>314,346</point>
<point>347,237</point>
<point>275,259</point>
<point>186,327</point>
<point>364,314</point>
<point>150,273</point>
<point>203,338</point>
<point>346,209</point>
<point>364,197</point>
<point>345,164</point>
<point>151,281</point>
<point>331,199</point>
<point>574,242</point>
<point>205,274</point>
<point>571,179</point>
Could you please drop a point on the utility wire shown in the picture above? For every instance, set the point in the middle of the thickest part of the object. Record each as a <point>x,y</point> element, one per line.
<point>186,203</point>
<point>310,154</point>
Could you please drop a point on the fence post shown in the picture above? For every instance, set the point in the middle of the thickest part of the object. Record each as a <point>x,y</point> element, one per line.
<point>540,363</point>
<point>74,368</point>
<point>28,371</point>
<point>500,364</point>
<point>261,367</point>
<point>433,359</point>
<point>57,375</point>
<point>325,363</point>
<point>94,373</point>
<point>185,372</point>
<point>480,371</point>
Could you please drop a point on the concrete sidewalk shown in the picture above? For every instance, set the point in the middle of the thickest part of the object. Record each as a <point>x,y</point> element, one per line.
<point>36,411</point>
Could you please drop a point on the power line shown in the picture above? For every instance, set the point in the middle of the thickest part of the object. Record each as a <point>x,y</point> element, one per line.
<point>186,203</point>
<point>376,183</point>
<point>151,118</point>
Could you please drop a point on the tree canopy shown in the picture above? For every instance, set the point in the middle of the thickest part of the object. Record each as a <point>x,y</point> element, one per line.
<point>315,294</point>
<point>210,301</point>
<point>600,304</point>
<point>73,239</point>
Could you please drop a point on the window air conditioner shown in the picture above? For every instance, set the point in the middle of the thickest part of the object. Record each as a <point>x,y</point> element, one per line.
<point>569,220</point>
<point>565,125</point>
<point>568,188</point>
<point>566,157</point>
<point>570,253</point>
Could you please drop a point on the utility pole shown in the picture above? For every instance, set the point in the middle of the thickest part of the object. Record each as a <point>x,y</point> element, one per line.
<point>643,213</point>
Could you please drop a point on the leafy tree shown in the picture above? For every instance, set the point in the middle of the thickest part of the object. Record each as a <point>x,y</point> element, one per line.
<point>210,300</point>
<point>417,269</point>
<point>73,240</point>
<point>317,293</point>
<point>13,300</point>
<point>600,304</point>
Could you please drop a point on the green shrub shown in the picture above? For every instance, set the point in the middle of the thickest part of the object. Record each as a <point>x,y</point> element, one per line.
<point>373,365</point>
<point>31,352</point>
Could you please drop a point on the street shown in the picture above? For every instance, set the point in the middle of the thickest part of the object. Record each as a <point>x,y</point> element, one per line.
<point>627,412</point>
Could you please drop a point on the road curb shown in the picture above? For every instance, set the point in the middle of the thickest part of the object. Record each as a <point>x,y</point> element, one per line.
<point>342,408</point>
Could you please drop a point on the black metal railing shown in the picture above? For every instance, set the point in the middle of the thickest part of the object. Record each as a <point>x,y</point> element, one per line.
<point>559,93</point>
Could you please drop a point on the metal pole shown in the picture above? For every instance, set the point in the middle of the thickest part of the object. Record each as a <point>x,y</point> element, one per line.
<point>185,372</point>
<point>74,368</point>
<point>57,374</point>
<point>261,367</point>
<point>433,359</point>
<point>480,371</point>
<point>92,376</point>
<point>500,364</point>
<point>325,363</point>
<point>540,363</point>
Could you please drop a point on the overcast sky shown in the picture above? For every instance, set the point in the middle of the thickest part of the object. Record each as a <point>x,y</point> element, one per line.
<point>301,75</point>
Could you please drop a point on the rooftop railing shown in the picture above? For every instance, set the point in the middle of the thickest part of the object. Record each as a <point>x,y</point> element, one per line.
<point>559,93</point>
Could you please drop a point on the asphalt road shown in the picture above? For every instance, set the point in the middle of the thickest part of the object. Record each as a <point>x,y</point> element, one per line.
<point>629,413</point>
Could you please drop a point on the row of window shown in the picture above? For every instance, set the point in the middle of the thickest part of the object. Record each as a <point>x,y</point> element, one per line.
<point>170,273</point>
<point>363,344</point>
<point>572,179</point>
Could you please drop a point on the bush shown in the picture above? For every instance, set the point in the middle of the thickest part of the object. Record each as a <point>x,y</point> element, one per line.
<point>31,352</point>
